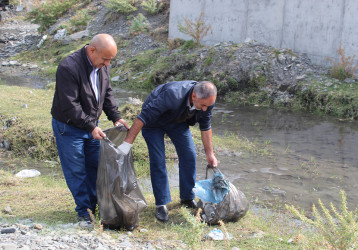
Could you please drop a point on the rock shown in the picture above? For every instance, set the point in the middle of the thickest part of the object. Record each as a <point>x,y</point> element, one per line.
<point>6,144</point>
<point>8,210</point>
<point>27,173</point>
<point>79,35</point>
<point>60,34</point>
<point>349,80</point>
<point>24,106</point>
<point>37,226</point>
<point>7,230</point>
<point>8,246</point>
<point>115,79</point>
<point>134,101</point>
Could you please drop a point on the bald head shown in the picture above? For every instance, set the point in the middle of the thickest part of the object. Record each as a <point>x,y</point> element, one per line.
<point>101,50</point>
<point>102,41</point>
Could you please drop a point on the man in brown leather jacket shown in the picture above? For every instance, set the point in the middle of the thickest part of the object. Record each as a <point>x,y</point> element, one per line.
<point>82,92</point>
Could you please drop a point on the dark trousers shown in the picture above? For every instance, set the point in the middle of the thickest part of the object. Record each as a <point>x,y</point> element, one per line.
<point>180,135</point>
<point>79,154</point>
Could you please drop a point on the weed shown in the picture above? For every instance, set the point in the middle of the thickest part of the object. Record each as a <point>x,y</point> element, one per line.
<point>152,6</point>
<point>95,220</point>
<point>339,229</point>
<point>190,44</point>
<point>46,13</point>
<point>79,21</point>
<point>139,24</point>
<point>197,30</point>
<point>193,228</point>
<point>345,67</point>
<point>227,237</point>
<point>121,6</point>
<point>175,43</point>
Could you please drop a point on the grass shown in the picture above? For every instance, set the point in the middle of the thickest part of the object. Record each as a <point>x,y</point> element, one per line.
<point>28,199</point>
<point>47,199</point>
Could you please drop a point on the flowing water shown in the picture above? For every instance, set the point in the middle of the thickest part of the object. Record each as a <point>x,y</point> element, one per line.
<point>311,156</point>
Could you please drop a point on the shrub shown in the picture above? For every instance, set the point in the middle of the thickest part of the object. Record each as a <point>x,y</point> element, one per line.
<point>121,6</point>
<point>79,21</point>
<point>197,30</point>
<point>345,67</point>
<point>339,229</point>
<point>152,6</point>
<point>139,24</point>
<point>45,14</point>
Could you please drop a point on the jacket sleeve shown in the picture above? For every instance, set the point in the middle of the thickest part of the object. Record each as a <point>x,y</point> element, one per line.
<point>204,119</point>
<point>67,87</point>
<point>110,107</point>
<point>156,106</point>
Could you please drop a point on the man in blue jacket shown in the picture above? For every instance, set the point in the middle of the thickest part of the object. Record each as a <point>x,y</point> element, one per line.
<point>170,109</point>
<point>82,92</point>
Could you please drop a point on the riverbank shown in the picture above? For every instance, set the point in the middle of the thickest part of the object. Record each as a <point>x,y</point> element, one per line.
<point>42,208</point>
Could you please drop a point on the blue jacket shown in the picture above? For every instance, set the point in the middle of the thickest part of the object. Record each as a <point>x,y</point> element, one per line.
<point>167,102</point>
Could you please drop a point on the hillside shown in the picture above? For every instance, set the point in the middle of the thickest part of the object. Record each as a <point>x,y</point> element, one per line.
<point>247,73</point>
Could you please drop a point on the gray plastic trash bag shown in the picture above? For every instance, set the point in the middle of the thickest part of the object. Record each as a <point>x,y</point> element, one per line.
<point>119,197</point>
<point>221,199</point>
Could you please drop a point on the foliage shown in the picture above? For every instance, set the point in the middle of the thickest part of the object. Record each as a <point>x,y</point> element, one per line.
<point>79,21</point>
<point>339,229</point>
<point>197,30</point>
<point>190,44</point>
<point>121,6</point>
<point>341,102</point>
<point>139,24</point>
<point>46,13</point>
<point>175,43</point>
<point>152,6</point>
<point>345,67</point>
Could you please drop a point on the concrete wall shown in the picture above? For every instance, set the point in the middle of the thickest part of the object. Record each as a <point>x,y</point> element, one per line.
<point>314,27</point>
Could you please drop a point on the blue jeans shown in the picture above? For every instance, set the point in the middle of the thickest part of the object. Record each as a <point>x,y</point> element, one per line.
<point>180,135</point>
<point>79,155</point>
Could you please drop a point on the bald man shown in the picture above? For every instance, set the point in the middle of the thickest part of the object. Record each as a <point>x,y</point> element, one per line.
<point>82,92</point>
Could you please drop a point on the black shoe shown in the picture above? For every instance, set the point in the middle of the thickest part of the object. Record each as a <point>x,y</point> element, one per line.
<point>189,203</point>
<point>85,217</point>
<point>161,213</point>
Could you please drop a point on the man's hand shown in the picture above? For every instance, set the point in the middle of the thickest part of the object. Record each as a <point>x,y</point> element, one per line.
<point>212,160</point>
<point>124,148</point>
<point>123,122</point>
<point>98,134</point>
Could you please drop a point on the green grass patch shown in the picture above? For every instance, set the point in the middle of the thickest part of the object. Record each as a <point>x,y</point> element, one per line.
<point>334,98</point>
<point>47,200</point>
<point>58,52</point>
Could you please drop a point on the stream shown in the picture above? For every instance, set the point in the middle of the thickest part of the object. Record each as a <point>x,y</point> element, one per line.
<point>311,157</point>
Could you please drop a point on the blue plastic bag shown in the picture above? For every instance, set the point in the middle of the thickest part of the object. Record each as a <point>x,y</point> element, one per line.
<point>212,190</point>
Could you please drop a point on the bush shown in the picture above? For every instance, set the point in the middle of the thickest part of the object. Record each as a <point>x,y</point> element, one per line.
<point>45,14</point>
<point>197,30</point>
<point>152,6</point>
<point>339,229</point>
<point>121,6</point>
<point>139,25</point>
<point>79,21</point>
<point>345,67</point>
